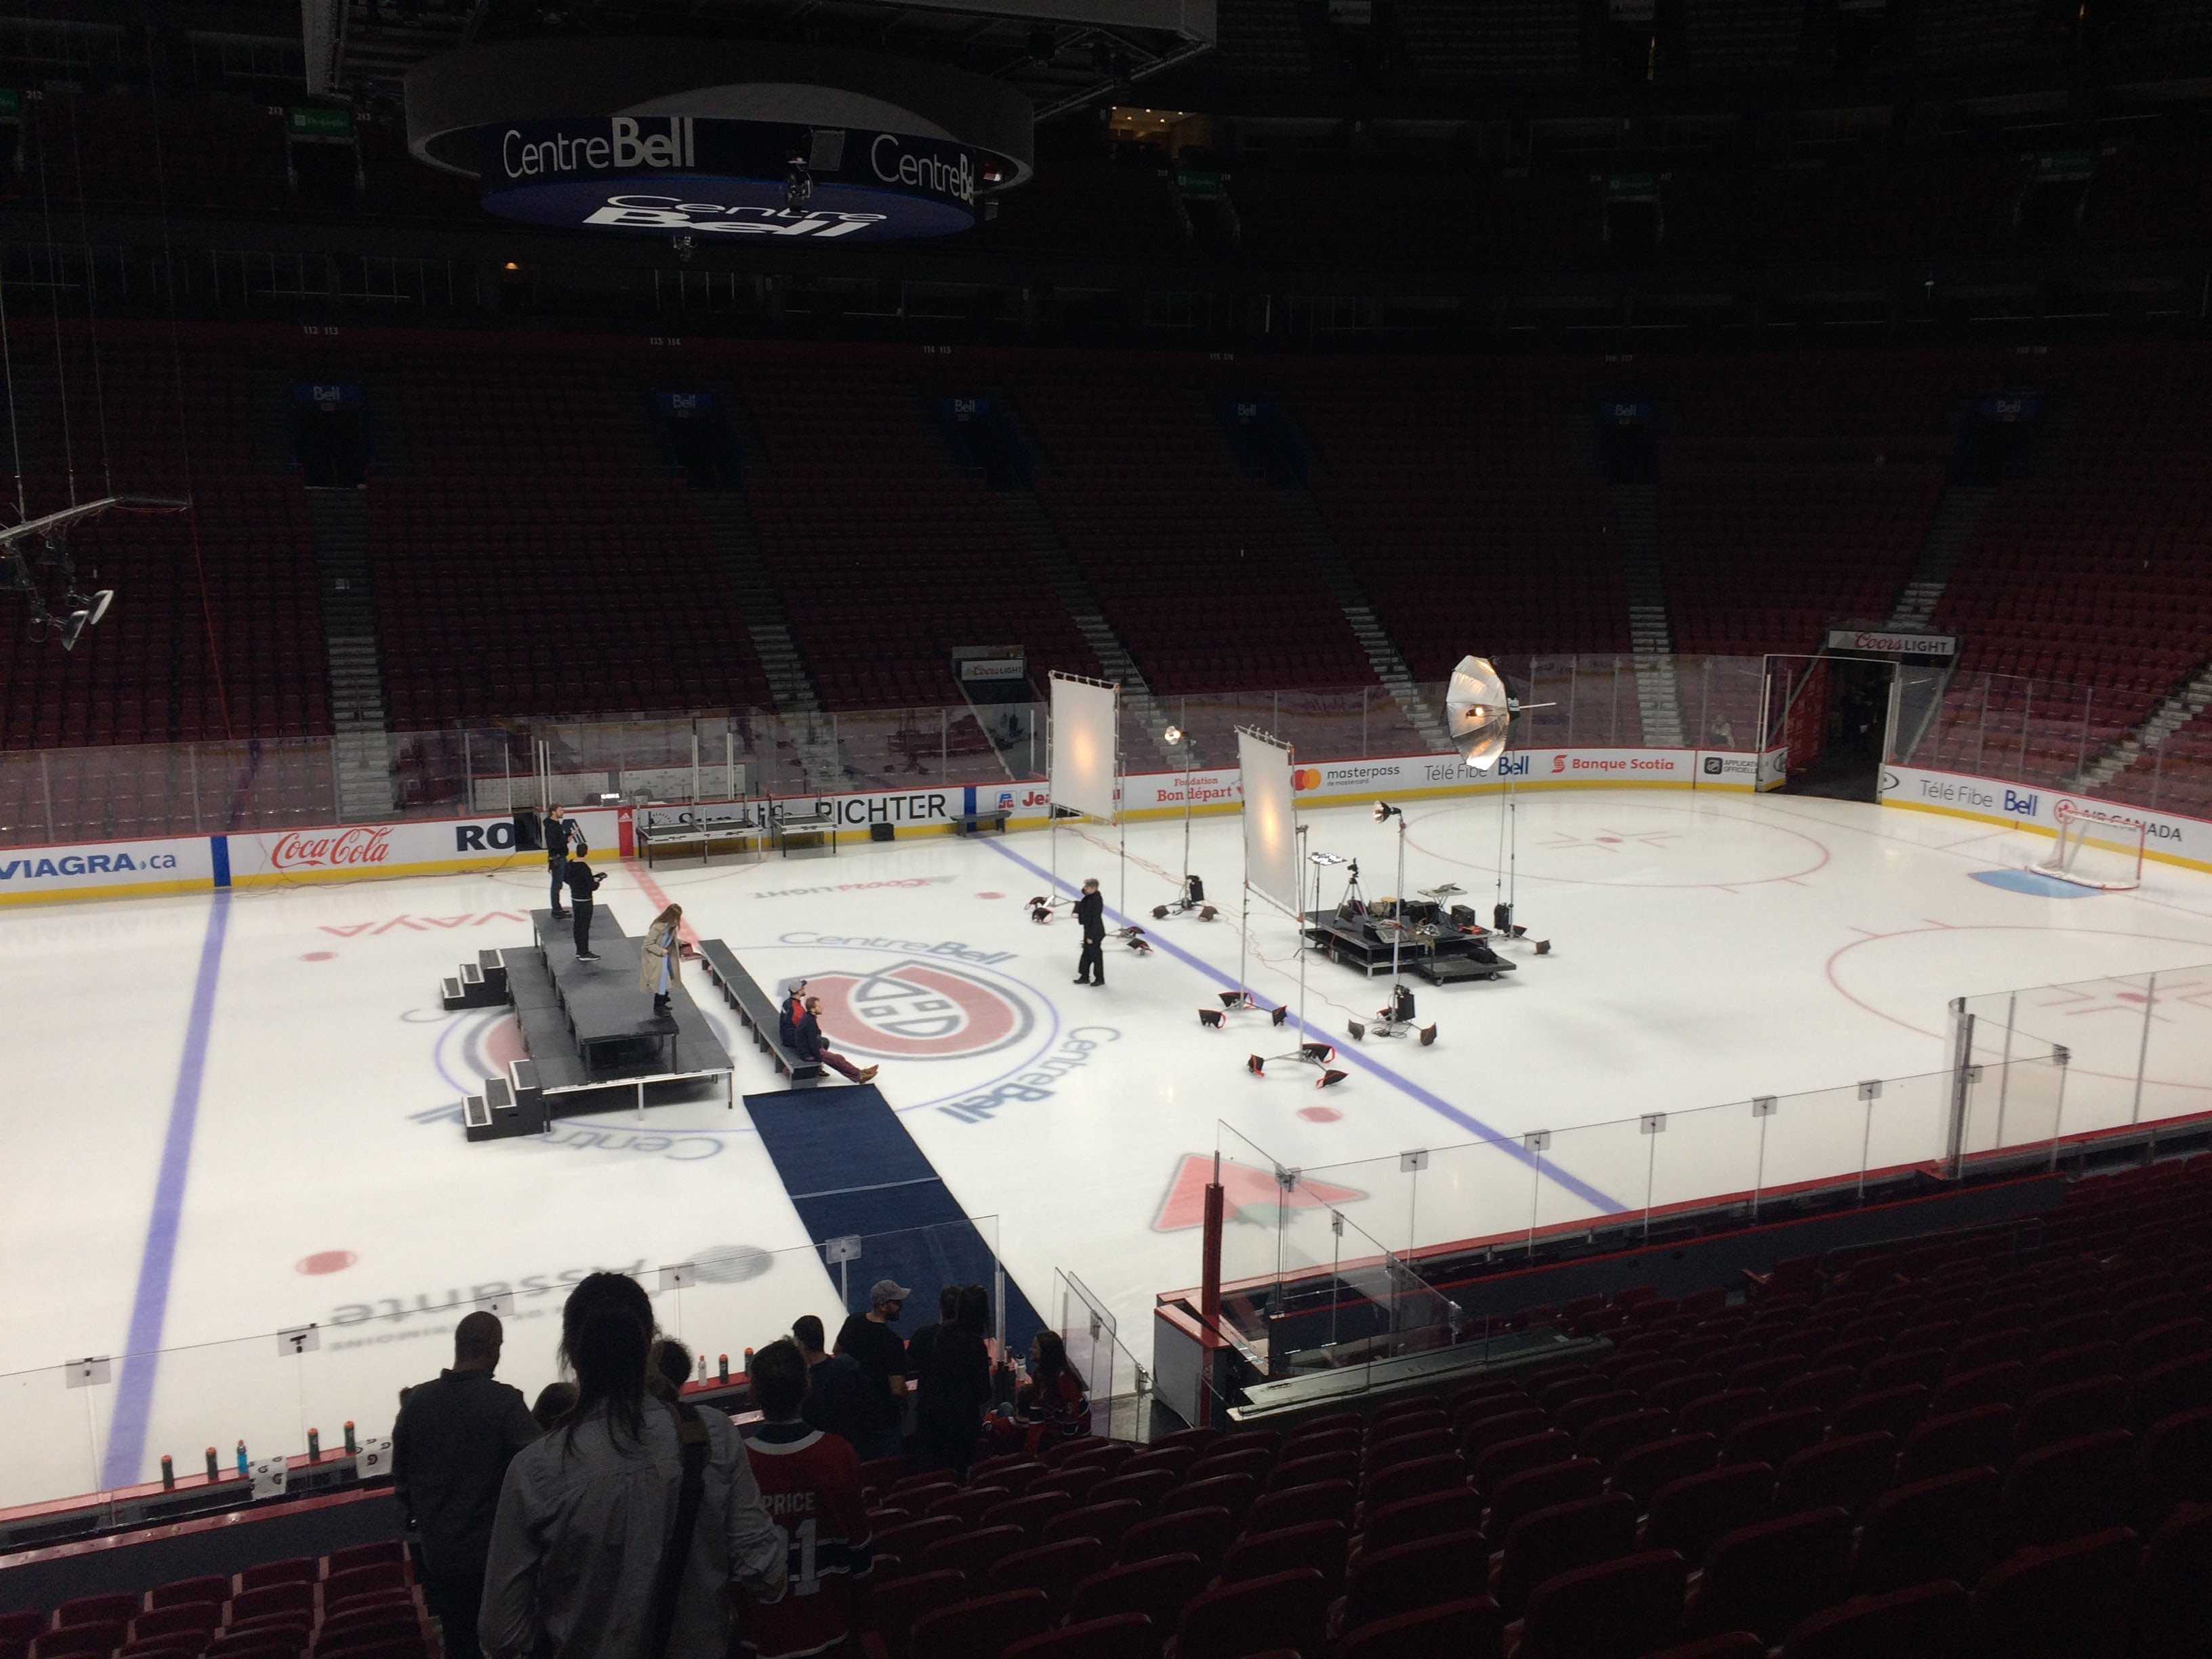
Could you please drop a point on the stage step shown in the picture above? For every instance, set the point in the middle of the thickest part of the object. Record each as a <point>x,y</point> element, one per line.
<point>478,985</point>
<point>500,1113</point>
<point>494,964</point>
<point>522,1074</point>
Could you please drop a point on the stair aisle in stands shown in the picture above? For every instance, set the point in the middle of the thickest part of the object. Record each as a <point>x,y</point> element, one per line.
<point>360,752</point>
<point>1636,510</point>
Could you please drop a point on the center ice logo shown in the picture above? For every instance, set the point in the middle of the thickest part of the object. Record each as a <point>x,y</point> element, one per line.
<point>919,1010</point>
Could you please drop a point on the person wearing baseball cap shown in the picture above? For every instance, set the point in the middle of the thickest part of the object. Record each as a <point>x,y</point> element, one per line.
<point>880,1353</point>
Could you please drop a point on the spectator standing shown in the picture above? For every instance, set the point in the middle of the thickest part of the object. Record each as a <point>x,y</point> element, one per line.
<point>810,1482</point>
<point>450,1449</point>
<point>836,1390</point>
<point>620,1532</point>
<point>957,1386</point>
<point>918,1345</point>
<point>881,1356</point>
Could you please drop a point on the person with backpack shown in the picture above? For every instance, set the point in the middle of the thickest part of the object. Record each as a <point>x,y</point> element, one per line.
<point>621,1532</point>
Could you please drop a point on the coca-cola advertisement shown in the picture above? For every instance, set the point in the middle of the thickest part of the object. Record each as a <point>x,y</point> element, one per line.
<point>331,849</point>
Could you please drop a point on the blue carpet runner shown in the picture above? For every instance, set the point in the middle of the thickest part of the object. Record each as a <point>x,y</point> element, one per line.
<point>851,1168</point>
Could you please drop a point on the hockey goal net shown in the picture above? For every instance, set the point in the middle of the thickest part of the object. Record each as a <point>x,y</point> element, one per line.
<point>2096,849</point>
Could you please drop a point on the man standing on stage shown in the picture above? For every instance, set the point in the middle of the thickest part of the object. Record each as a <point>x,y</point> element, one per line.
<point>560,835</point>
<point>1091,911</point>
<point>583,881</point>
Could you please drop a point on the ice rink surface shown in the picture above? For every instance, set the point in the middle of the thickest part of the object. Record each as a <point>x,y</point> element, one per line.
<point>1708,948</point>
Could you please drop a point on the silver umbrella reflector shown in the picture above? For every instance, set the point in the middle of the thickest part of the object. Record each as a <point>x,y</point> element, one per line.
<point>1480,711</point>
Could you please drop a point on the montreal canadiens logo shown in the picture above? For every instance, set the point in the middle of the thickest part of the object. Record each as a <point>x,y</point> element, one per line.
<point>919,1010</point>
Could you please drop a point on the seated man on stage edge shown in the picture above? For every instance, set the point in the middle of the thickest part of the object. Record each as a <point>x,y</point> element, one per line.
<point>812,1045</point>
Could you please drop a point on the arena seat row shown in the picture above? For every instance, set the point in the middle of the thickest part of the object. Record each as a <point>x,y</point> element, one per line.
<point>887,560</point>
<point>357,1604</point>
<point>1765,1466</point>
<point>603,594</point>
<point>1201,574</point>
<point>2095,574</point>
<point>1991,1442</point>
<point>1455,504</point>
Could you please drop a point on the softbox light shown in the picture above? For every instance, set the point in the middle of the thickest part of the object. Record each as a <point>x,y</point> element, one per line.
<point>1084,715</point>
<point>1270,826</point>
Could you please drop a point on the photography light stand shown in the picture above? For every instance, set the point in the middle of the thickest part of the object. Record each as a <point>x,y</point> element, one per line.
<point>1190,893</point>
<point>1315,1055</point>
<point>1397,1019</point>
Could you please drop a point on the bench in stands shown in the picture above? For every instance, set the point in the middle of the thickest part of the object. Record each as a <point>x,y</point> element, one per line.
<point>757,1010</point>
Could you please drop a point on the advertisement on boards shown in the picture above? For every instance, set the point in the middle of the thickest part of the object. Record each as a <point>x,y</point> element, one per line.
<point>2166,836</point>
<point>109,869</point>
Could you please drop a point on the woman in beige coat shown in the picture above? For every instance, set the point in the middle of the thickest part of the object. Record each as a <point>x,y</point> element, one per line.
<point>660,961</point>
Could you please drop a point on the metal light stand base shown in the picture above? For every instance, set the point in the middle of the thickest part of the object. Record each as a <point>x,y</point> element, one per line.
<point>1397,1017</point>
<point>1317,1054</point>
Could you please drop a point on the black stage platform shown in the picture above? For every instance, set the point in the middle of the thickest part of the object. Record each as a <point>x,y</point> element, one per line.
<point>1445,953</point>
<point>592,1039</point>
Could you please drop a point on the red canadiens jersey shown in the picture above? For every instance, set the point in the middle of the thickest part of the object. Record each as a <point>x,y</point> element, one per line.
<point>811,1483</point>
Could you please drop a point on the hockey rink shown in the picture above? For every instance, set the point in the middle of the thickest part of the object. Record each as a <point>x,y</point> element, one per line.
<point>233,1115</point>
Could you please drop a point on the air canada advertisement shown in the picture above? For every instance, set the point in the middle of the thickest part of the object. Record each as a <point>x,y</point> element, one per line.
<point>684,176</point>
<point>2166,837</point>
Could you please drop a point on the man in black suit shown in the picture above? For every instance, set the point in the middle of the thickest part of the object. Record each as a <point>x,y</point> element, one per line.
<point>583,881</point>
<point>1091,911</point>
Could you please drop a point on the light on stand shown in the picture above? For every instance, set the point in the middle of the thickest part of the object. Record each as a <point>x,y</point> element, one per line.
<point>1397,1017</point>
<point>1192,895</point>
<point>1479,712</point>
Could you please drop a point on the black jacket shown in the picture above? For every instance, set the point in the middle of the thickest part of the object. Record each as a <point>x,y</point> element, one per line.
<point>559,834</point>
<point>809,1040</point>
<point>1091,911</point>
<point>583,881</point>
<point>449,1455</point>
<point>954,1388</point>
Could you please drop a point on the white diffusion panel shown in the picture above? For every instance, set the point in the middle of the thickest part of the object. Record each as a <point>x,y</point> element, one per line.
<point>1271,819</point>
<point>1084,718</point>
